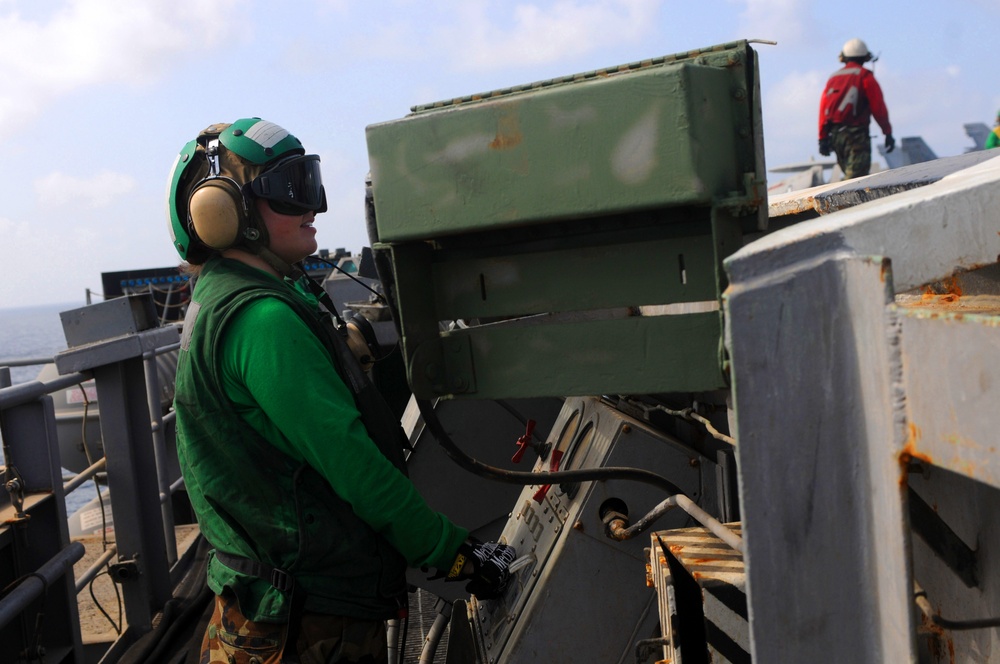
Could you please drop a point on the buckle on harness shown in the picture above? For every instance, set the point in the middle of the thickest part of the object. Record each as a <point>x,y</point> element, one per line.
<point>282,580</point>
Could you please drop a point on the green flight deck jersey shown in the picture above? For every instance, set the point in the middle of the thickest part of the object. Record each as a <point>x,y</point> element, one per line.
<point>285,464</point>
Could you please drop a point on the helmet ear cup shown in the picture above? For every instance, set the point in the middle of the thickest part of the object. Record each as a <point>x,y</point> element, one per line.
<point>215,208</point>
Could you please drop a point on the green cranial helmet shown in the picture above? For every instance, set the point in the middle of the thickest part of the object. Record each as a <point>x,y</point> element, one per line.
<point>217,175</point>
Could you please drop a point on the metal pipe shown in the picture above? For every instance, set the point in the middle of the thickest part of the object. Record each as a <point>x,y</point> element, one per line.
<point>715,433</point>
<point>85,475</point>
<point>162,350</point>
<point>95,569</point>
<point>689,414</point>
<point>25,361</point>
<point>166,303</point>
<point>435,633</point>
<point>392,637</point>
<point>22,393</point>
<point>618,529</point>
<point>32,586</point>
<point>176,485</point>
<point>160,451</point>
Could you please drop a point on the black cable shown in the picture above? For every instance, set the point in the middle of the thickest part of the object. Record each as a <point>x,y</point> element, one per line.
<point>524,478</point>
<point>379,297</point>
<point>180,618</point>
<point>324,297</point>
<point>9,588</point>
<point>36,651</point>
<point>966,624</point>
<point>114,625</point>
<point>517,416</point>
<point>33,651</point>
<point>403,631</point>
<point>924,605</point>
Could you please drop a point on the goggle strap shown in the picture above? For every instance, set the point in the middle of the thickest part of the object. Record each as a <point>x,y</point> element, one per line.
<point>212,153</point>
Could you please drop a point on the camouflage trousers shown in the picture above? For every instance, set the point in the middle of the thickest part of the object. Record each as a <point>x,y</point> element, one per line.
<point>853,146</point>
<point>322,639</point>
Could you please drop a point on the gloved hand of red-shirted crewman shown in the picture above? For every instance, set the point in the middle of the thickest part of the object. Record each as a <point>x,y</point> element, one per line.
<point>486,565</point>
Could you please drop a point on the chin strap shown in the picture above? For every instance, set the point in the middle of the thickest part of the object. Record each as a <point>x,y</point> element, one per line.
<point>271,258</point>
<point>296,273</point>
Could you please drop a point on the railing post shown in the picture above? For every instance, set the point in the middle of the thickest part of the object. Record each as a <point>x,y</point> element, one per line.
<point>33,529</point>
<point>160,455</point>
<point>142,569</point>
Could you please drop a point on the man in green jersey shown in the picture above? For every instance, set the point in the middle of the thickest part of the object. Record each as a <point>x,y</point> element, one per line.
<point>293,462</point>
<point>993,140</point>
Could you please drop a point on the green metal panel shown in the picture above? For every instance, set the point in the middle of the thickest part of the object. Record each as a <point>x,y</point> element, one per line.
<point>656,136</point>
<point>519,233</point>
<point>677,353</point>
<point>650,272</point>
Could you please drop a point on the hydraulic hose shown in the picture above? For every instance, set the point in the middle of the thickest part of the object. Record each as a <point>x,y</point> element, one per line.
<point>437,630</point>
<point>618,528</point>
<point>920,596</point>
<point>526,478</point>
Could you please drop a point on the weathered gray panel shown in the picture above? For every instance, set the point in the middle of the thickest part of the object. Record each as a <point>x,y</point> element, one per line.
<point>952,371</point>
<point>813,376</point>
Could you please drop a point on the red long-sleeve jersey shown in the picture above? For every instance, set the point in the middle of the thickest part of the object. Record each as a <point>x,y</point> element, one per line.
<point>851,97</point>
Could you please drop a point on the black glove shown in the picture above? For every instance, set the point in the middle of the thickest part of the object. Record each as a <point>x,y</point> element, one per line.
<point>485,565</point>
<point>890,143</point>
<point>824,147</point>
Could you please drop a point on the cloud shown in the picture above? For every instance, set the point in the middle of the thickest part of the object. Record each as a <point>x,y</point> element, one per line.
<point>25,245</point>
<point>341,7</point>
<point>481,35</point>
<point>343,224</point>
<point>92,42</point>
<point>531,34</point>
<point>787,22</point>
<point>7,228</point>
<point>791,112</point>
<point>58,189</point>
<point>937,117</point>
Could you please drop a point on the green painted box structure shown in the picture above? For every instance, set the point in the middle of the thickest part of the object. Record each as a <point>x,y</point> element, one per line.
<point>566,237</point>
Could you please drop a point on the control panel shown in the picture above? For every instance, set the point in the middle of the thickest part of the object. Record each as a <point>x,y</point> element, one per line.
<point>563,552</point>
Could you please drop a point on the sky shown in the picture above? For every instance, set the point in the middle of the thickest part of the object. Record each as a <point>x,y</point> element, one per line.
<point>98,96</point>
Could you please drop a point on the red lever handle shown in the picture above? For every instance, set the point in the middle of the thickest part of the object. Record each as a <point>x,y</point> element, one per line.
<point>524,442</point>
<point>557,456</point>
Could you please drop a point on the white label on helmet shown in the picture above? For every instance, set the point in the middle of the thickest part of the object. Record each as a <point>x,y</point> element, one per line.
<point>267,134</point>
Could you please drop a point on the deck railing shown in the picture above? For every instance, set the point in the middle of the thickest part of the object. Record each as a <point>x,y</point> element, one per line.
<point>36,551</point>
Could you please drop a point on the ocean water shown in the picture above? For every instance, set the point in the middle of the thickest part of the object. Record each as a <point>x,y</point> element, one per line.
<point>31,332</point>
<point>36,332</point>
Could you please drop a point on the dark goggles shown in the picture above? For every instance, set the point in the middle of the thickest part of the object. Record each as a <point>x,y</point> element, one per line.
<point>292,186</point>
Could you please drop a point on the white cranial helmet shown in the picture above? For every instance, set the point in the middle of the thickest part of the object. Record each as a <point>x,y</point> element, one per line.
<point>855,48</point>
